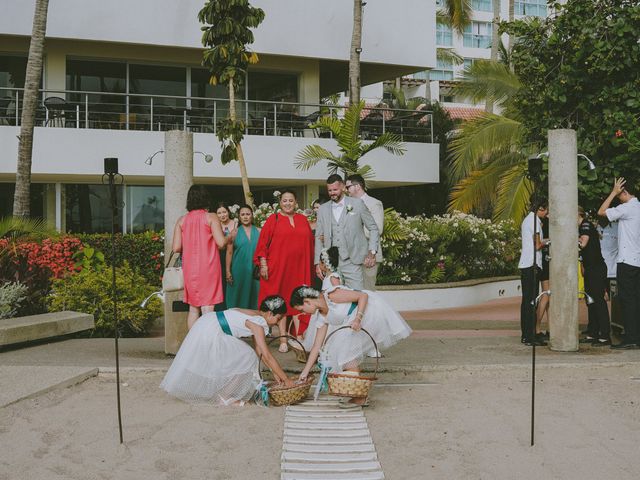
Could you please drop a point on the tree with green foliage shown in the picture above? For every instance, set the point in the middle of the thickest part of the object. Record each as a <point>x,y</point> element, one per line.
<point>579,70</point>
<point>346,132</point>
<point>227,34</point>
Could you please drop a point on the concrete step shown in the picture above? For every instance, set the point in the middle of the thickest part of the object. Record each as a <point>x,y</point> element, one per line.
<point>334,425</point>
<point>325,420</point>
<point>485,324</point>
<point>326,433</point>
<point>323,415</point>
<point>333,476</point>
<point>319,440</point>
<point>46,325</point>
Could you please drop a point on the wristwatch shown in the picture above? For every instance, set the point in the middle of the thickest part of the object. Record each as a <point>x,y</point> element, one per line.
<point>373,252</point>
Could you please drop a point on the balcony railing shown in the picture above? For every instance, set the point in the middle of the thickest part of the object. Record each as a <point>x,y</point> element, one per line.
<point>120,111</point>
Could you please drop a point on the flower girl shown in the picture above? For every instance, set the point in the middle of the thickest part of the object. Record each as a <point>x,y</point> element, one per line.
<point>340,306</point>
<point>214,365</point>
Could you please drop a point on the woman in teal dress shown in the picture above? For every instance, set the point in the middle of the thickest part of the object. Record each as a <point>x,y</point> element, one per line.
<point>242,288</point>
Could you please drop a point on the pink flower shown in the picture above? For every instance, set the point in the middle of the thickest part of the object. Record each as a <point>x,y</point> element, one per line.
<point>619,133</point>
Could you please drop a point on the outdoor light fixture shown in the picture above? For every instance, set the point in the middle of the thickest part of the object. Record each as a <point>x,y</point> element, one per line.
<point>358,50</point>
<point>587,298</point>
<point>208,158</point>
<point>149,160</point>
<point>591,165</point>
<point>159,294</point>
<point>537,300</point>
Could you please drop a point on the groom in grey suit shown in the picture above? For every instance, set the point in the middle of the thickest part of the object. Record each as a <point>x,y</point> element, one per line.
<point>341,223</point>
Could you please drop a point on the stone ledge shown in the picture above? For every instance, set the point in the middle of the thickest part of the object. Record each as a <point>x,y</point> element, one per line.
<point>463,283</point>
<point>46,325</point>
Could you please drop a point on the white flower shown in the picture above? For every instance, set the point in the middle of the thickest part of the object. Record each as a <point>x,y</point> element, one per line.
<point>277,194</point>
<point>349,208</point>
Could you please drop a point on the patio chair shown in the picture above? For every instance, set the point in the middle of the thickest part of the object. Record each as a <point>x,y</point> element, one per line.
<point>55,108</point>
<point>4,107</point>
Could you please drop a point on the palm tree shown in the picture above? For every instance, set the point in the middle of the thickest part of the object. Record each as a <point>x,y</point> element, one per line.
<point>456,14</point>
<point>352,148</point>
<point>489,153</point>
<point>495,47</point>
<point>226,33</point>
<point>354,56</point>
<point>14,229</point>
<point>21,199</point>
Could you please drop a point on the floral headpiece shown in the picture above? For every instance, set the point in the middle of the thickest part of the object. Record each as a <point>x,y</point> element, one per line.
<point>324,258</point>
<point>274,303</point>
<point>309,292</point>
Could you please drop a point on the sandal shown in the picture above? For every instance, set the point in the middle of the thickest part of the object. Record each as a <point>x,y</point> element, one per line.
<point>301,355</point>
<point>344,403</point>
<point>283,348</point>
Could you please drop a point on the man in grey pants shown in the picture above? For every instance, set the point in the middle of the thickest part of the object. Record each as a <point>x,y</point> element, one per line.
<point>341,223</point>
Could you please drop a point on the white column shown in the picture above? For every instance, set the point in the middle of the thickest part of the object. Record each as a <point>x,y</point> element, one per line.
<point>178,178</point>
<point>563,232</point>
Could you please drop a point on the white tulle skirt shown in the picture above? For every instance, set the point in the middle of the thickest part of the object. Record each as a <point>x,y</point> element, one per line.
<point>212,367</point>
<point>347,348</point>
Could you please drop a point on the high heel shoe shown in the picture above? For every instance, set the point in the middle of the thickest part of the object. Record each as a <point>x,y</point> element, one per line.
<point>283,348</point>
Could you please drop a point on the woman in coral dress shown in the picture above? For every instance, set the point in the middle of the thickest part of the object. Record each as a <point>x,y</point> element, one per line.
<point>284,253</point>
<point>197,236</point>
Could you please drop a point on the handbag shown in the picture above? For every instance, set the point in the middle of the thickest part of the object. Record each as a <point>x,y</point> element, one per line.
<point>173,279</point>
<point>256,268</point>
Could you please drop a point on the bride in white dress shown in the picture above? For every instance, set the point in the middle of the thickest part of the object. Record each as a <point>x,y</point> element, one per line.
<point>340,306</point>
<point>214,366</point>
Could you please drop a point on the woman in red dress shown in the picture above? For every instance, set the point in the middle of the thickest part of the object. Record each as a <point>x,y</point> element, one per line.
<point>284,253</point>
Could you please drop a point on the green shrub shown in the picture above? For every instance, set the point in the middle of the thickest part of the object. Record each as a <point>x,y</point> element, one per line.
<point>143,251</point>
<point>446,248</point>
<point>12,294</point>
<point>90,292</point>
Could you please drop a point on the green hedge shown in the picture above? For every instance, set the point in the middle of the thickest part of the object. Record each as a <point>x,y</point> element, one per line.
<point>143,252</point>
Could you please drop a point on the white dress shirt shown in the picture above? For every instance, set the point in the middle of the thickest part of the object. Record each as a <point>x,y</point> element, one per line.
<point>628,217</point>
<point>526,231</point>
<point>337,208</point>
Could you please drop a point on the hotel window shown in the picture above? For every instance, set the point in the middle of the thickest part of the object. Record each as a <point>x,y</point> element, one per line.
<point>12,72</point>
<point>444,71</point>
<point>424,75</point>
<point>444,35</point>
<point>272,87</point>
<point>532,8</point>
<point>144,208</point>
<point>468,62</point>
<point>88,208</point>
<point>482,5</point>
<point>98,76</point>
<point>39,203</point>
<point>477,35</point>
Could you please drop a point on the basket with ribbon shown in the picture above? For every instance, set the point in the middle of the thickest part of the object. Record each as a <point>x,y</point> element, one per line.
<point>269,392</point>
<point>344,384</point>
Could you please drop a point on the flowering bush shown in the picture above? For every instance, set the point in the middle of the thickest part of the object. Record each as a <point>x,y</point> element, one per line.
<point>35,264</point>
<point>446,248</point>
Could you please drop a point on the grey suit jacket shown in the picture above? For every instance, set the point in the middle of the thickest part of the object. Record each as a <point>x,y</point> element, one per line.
<point>355,218</point>
<point>377,211</point>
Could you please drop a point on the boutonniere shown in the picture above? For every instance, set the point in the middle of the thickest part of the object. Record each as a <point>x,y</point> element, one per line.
<point>349,208</point>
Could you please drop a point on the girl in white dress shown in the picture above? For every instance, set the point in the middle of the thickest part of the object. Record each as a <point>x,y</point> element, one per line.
<point>213,365</point>
<point>340,306</point>
<point>329,258</point>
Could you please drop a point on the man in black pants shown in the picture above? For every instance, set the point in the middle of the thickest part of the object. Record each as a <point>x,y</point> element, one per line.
<point>595,283</point>
<point>628,270</point>
<point>530,265</point>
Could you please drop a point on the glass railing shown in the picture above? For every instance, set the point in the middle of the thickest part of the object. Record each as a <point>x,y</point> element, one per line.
<point>120,111</point>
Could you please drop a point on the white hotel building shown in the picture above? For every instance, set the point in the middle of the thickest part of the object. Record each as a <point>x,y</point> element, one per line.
<point>119,73</point>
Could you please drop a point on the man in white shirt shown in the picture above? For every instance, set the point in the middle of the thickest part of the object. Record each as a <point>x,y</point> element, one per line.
<point>530,265</point>
<point>356,187</point>
<point>340,223</point>
<point>627,214</point>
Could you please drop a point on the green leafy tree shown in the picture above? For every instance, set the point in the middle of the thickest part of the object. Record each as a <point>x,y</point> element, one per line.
<point>352,148</point>
<point>579,70</point>
<point>227,34</point>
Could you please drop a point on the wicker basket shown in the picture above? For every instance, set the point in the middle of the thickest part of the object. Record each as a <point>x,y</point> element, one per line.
<point>279,394</point>
<point>355,386</point>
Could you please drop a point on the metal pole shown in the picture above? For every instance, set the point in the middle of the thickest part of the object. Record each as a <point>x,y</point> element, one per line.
<point>86,111</point>
<point>17,108</point>
<point>77,116</point>
<point>275,120</point>
<point>215,116</point>
<point>151,113</point>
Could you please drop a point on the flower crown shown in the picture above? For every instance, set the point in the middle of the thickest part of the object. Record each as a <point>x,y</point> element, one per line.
<point>274,303</point>
<point>324,258</point>
<point>309,292</point>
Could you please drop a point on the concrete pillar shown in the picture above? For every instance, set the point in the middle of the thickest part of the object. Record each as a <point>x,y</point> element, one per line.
<point>563,232</point>
<point>178,178</point>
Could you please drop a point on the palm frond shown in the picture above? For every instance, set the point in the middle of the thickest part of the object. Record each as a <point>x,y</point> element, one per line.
<point>366,171</point>
<point>476,190</point>
<point>448,55</point>
<point>513,193</point>
<point>486,79</point>
<point>459,13</point>
<point>328,124</point>
<point>479,139</point>
<point>391,142</point>
<point>349,137</point>
<point>311,155</point>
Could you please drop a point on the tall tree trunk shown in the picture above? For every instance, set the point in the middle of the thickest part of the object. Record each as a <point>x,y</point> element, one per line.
<point>495,42</point>
<point>354,58</point>
<point>29,103</point>
<point>248,197</point>
<point>512,8</point>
